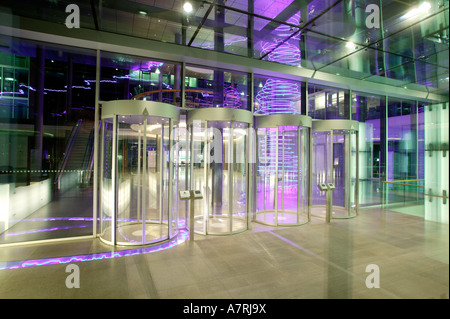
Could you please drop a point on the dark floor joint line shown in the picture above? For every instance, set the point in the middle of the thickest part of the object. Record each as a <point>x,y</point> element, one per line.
<point>146,277</point>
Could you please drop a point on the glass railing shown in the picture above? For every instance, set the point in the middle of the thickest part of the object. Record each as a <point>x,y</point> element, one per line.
<point>412,197</point>
<point>403,192</point>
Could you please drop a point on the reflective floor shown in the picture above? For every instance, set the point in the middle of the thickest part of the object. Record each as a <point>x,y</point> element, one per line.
<point>317,260</point>
<point>337,212</point>
<point>67,215</point>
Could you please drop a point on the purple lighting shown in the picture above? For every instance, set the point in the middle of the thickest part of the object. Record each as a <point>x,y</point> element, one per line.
<point>181,238</point>
<point>285,53</point>
<point>278,96</point>
<point>46,230</point>
<point>231,98</point>
<point>270,9</point>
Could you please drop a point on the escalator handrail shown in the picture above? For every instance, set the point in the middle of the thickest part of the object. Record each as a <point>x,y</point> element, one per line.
<point>62,166</point>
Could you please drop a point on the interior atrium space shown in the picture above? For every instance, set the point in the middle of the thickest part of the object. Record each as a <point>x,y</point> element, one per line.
<point>224,149</point>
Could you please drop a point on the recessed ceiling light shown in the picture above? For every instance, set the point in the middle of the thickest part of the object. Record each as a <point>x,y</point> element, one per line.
<point>187,7</point>
<point>425,6</point>
<point>142,13</point>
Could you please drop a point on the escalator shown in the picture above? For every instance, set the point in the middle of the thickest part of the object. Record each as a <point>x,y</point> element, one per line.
<point>75,168</point>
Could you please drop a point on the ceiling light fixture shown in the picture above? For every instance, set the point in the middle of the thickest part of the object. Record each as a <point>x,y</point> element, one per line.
<point>425,6</point>
<point>422,9</point>
<point>187,7</point>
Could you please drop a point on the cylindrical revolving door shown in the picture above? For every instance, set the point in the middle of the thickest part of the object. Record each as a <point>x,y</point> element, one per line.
<point>220,142</point>
<point>335,160</point>
<point>282,169</point>
<point>138,173</point>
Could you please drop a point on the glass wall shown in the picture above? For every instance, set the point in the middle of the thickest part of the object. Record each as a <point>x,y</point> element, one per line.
<point>225,30</point>
<point>208,87</point>
<point>276,96</point>
<point>14,86</point>
<point>326,103</point>
<point>125,77</point>
<point>421,139</point>
<point>402,139</point>
<point>404,45</point>
<point>278,42</point>
<point>47,125</point>
<point>47,98</point>
<point>403,153</point>
<point>369,111</point>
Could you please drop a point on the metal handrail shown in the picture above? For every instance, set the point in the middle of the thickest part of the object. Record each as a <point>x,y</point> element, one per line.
<point>91,163</point>
<point>401,182</point>
<point>404,183</point>
<point>62,166</point>
<point>88,160</point>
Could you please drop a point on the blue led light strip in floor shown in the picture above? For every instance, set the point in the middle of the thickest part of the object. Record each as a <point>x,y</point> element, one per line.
<point>182,237</point>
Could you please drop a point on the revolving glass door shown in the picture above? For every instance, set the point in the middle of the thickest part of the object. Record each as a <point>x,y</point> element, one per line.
<point>138,173</point>
<point>219,169</point>
<point>335,160</point>
<point>282,170</point>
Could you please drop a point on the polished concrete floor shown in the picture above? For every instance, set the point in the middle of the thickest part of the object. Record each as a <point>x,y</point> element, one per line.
<point>316,260</point>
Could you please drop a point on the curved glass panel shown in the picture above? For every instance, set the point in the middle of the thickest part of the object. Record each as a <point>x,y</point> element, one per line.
<point>139,181</point>
<point>219,170</point>
<point>282,175</point>
<point>335,161</point>
<point>106,188</point>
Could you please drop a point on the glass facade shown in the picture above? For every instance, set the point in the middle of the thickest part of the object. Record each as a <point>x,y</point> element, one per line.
<point>276,96</point>
<point>326,103</point>
<point>402,139</point>
<point>48,99</point>
<point>398,46</point>
<point>125,77</point>
<point>208,87</point>
<point>47,126</point>
<point>369,111</point>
